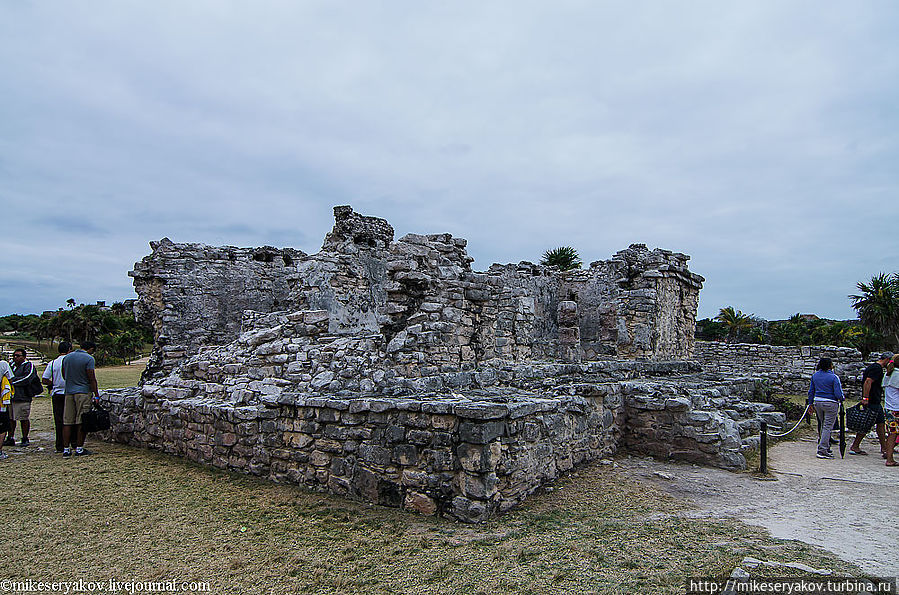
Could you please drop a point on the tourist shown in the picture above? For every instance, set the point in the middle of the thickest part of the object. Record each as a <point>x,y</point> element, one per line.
<point>5,399</point>
<point>5,370</point>
<point>872,396</point>
<point>24,375</point>
<point>81,383</point>
<point>825,393</point>
<point>891,408</point>
<point>56,385</point>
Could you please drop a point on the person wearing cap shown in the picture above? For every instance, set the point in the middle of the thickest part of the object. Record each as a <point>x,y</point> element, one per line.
<point>872,398</point>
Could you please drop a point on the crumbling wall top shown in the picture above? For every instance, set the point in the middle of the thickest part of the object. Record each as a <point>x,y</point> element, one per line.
<point>421,296</point>
<point>359,230</point>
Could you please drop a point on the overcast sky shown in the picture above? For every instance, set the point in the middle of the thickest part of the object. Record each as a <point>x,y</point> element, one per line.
<point>758,137</point>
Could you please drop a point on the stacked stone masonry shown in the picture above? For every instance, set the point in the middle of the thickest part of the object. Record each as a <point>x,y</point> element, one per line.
<point>420,294</point>
<point>388,371</point>
<point>784,369</point>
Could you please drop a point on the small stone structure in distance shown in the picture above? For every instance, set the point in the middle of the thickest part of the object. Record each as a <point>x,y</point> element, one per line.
<point>389,371</point>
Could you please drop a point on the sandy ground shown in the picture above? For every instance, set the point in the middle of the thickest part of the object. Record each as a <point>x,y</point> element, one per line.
<point>847,506</point>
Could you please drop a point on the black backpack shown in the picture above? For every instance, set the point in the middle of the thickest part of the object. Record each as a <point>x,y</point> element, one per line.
<point>34,385</point>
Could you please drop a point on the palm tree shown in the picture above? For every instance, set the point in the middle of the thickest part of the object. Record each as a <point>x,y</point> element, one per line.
<point>43,330</point>
<point>564,257</point>
<point>130,343</point>
<point>735,321</point>
<point>89,321</point>
<point>878,305</point>
<point>66,323</point>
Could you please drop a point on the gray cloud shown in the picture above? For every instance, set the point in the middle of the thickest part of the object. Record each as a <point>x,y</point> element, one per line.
<point>757,138</point>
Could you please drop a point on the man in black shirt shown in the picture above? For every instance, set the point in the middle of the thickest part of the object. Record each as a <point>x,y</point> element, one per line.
<point>872,397</point>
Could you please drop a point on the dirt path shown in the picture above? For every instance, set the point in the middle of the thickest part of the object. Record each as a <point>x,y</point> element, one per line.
<point>844,506</point>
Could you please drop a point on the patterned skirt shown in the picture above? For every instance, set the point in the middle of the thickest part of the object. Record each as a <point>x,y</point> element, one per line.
<point>892,421</point>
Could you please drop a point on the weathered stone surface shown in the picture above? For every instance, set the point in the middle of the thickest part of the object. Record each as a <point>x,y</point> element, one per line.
<point>785,369</point>
<point>389,371</point>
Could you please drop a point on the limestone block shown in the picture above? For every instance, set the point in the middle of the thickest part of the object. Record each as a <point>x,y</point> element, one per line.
<point>319,458</point>
<point>420,503</point>
<point>678,404</point>
<point>405,454</point>
<point>479,458</point>
<point>435,460</point>
<point>224,439</point>
<point>395,433</point>
<point>481,432</point>
<point>322,379</point>
<point>419,437</point>
<point>377,455</point>
<point>297,439</point>
<point>480,487</point>
<point>328,445</point>
<point>481,410</point>
<point>315,316</point>
<point>443,422</point>
<point>326,415</point>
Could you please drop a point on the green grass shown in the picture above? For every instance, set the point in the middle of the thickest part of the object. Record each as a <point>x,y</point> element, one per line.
<point>48,349</point>
<point>112,376</point>
<point>118,376</point>
<point>128,513</point>
<point>107,376</point>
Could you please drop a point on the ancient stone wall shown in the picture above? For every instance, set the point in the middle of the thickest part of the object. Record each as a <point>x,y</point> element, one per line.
<point>194,295</point>
<point>786,369</point>
<point>454,456</point>
<point>468,453</point>
<point>389,371</point>
<point>420,294</point>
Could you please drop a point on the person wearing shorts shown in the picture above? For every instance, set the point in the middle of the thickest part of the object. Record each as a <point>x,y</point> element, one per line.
<point>81,386</point>
<point>891,409</point>
<point>20,408</point>
<point>872,398</point>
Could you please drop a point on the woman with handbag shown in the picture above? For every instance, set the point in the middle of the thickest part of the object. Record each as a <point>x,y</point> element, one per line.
<point>891,409</point>
<point>825,393</point>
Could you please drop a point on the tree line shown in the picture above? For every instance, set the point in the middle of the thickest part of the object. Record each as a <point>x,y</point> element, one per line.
<point>877,327</point>
<point>119,337</point>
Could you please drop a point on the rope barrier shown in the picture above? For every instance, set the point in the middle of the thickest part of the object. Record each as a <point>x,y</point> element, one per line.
<point>791,429</point>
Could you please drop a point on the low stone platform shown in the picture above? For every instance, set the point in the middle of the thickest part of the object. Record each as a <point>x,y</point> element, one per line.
<point>467,454</point>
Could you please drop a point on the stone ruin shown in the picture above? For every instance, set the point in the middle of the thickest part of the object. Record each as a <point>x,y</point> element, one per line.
<point>389,371</point>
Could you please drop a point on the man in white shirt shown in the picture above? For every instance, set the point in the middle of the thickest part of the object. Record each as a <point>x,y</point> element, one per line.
<point>56,385</point>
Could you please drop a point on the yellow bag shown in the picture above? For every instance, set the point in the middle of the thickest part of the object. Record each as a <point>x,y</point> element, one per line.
<point>7,390</point>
